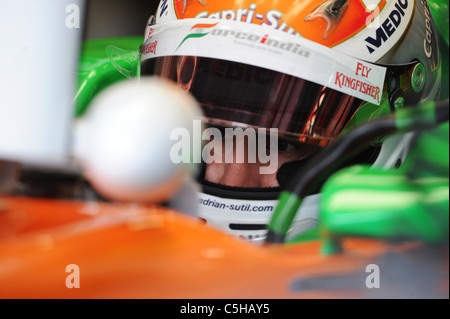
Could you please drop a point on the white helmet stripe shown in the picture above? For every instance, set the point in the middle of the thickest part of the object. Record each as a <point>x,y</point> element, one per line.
<point>267,48</point>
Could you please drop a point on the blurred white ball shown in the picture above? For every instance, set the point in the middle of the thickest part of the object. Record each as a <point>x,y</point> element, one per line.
<point>124,139</point>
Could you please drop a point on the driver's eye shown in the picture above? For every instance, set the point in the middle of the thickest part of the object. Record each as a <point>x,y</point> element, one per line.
<point>284,146</point>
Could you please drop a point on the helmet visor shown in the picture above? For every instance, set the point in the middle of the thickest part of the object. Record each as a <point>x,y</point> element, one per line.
<point>237,94</point>
<point>252,76</point>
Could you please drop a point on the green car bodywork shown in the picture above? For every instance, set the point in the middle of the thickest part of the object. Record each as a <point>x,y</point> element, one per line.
<point>104,62</point>
<point>411,202</point>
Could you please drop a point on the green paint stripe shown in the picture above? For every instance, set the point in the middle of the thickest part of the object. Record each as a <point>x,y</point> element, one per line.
<point>193,35</point>
<point>409,118</point>
<point>284,214</point>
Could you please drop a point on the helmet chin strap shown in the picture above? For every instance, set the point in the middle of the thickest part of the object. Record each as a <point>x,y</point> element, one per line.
<point>248,219</point>
<point>245,212</point>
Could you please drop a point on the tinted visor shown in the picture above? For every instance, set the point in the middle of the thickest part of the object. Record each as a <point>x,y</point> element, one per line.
<point>236,94</point>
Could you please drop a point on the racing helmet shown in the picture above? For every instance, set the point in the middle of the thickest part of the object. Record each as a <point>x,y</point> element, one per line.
<point>309,69</point>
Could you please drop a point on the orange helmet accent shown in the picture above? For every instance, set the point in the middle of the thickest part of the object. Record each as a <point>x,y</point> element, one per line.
<point>301,17</point>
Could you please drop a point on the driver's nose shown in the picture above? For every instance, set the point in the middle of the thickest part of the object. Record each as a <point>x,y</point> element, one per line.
<point>237,174</point>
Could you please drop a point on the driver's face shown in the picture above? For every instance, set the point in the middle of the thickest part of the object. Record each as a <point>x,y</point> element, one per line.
<point>248,174</point>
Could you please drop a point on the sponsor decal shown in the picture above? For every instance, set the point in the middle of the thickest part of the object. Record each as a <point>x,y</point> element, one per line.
<point>150,32</point>
<point>235,207</point>
<point>150,48</point>
<point>271,18</point>
<point>427,42</point>
<point>388,27</point>
<point>201,31</point>
<point>265,40</point>
<point>251,38</point>
<point>163,7</point>
<point>354,84</point>
<point>253,45</point>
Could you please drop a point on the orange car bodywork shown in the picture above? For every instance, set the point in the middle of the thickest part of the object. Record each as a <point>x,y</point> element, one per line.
<point>147,251</point>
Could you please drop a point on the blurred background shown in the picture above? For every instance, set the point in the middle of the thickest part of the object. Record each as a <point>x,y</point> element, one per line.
<point>112,18</point>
